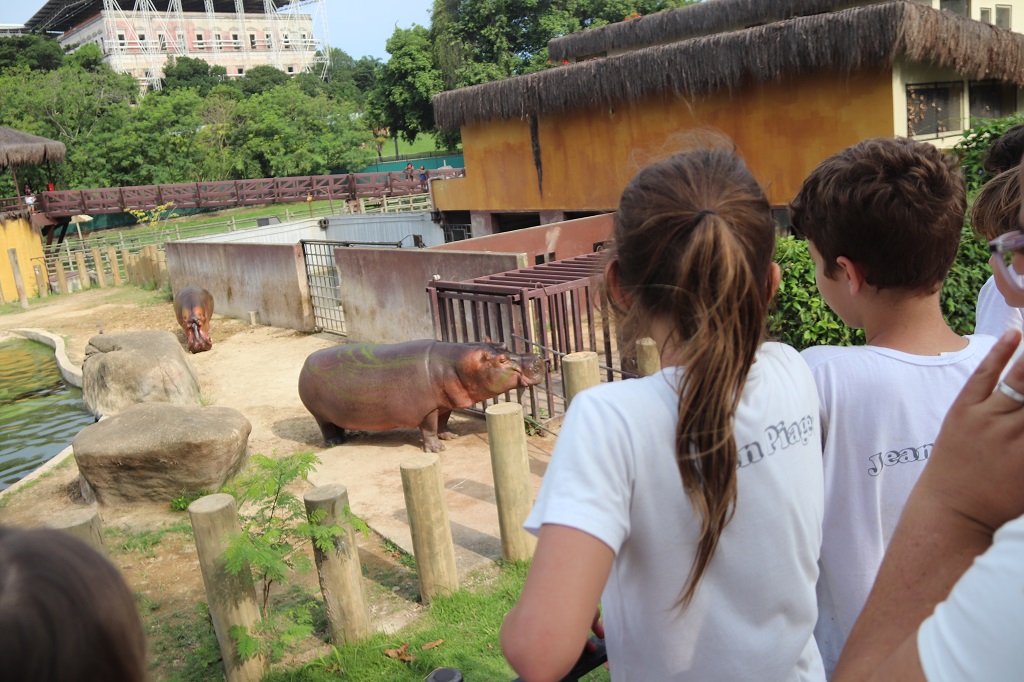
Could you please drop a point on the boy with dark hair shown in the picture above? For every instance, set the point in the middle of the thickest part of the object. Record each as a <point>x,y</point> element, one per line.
<point>883,219</point>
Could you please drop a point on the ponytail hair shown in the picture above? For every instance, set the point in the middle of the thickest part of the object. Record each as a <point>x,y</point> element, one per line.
<point>694,242</point>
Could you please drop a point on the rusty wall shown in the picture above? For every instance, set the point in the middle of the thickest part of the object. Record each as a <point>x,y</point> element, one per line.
<point>267,278</point>
<point>587,157</point>
<point>384,291</point>
<point>564,239</point>
<point>18,234</point>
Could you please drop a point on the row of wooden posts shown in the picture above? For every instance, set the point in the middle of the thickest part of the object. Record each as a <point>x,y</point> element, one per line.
<point>232,597</point>
<point>145,267</point>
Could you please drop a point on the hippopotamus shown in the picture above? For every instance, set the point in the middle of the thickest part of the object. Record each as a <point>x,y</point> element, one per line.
<point>193,306</point>
<point>414,384</point>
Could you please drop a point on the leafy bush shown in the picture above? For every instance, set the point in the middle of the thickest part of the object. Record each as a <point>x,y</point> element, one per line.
<point>973,148</point>
<point>802,319</point>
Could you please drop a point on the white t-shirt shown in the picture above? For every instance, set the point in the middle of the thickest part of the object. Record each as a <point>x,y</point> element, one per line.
<point>880,413</point>
<point>978,632</point>
<point>994,315</point>
<point>613,475</point>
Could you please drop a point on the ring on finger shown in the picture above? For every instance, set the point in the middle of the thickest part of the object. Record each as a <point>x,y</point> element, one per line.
<point>1010,392</point>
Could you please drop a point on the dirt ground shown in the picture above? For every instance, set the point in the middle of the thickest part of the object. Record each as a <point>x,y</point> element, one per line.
<point>254,369</point>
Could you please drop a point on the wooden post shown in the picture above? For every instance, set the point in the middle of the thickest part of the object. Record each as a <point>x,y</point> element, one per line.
<point>161,267</point>
<point>97,260</point>
<point>579,371</point>
<point>341,574</point>
<point>126,258</point>
<point>115,269</point>
<point>428,520</point>
<point>648,361</point>
<point>62,280</point>
<point>83,274</point>
<point>232,598</point>
<point>153,271</point>
<point>84,523</point>
<point>42,283</point>
<point>511,467</point>
<point>2,299</point>
<point>12,255</point>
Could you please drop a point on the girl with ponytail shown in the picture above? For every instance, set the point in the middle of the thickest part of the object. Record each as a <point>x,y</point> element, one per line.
<point>688,503</point>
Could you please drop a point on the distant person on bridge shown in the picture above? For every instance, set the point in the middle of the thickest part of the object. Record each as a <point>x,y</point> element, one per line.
<point>409,171</point>
<point>30,198</point>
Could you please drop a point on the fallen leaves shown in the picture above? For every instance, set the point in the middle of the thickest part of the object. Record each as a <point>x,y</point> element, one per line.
<point>402,652</point>
<point>431,645</point>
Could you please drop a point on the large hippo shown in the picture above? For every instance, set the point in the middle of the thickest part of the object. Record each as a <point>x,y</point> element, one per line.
<point>417,383</point>
<point>193,306</point>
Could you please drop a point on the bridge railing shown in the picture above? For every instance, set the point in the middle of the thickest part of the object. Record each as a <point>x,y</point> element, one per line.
<point>226,193</point>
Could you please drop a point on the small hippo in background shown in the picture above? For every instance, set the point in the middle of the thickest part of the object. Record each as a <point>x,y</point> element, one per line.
<point>193,306</point>
<point>413,384</point>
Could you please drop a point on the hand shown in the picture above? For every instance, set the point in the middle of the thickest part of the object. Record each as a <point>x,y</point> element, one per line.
<point>977,463</point>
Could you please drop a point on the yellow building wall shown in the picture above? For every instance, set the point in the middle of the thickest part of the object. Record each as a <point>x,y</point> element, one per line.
<point>783,130</point>
<point>19,234</point>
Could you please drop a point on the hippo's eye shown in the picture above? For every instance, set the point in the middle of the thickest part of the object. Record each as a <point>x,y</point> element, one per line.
<point>503,359</point>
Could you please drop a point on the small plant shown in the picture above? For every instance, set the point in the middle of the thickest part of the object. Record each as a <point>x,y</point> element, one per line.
<point>187,497</point>
<point>535,427</point>
<point>154,215</point>
<point>396,552</point>
<point>272,544</point>
<point>143,541</point>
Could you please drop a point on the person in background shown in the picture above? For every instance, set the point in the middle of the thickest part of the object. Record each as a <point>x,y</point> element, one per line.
<point>30,198</point>
<point>994,214</point>
<point>65,612</point>
<point>689,502</point>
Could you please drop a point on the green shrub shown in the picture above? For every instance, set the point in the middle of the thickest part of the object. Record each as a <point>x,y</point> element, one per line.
<point>802,319</point>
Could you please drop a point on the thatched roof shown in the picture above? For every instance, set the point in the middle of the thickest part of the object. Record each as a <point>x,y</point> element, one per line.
<point>844,41</point>
<point>692,21</point>
<point>21,149</point>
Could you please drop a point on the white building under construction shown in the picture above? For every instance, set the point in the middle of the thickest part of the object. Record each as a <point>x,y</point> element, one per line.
<point>138,36</point>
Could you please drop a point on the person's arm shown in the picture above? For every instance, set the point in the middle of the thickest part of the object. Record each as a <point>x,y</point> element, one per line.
<point>969,489</point>
<point>544,633</point>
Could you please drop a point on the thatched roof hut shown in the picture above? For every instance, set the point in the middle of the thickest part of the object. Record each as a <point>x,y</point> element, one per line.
<point>843,41</point>
<point>22,149</point>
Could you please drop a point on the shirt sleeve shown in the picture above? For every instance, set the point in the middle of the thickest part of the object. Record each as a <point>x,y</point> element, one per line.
<point>589,480</point>
<point>977,633</point>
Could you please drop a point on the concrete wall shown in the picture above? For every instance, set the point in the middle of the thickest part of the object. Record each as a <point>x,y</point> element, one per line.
<point>267,278</point>
<point>18,234</point>
<point>381,227</point>
<point>565,239</point>
<point>384,291</point>
<point>281,233</point>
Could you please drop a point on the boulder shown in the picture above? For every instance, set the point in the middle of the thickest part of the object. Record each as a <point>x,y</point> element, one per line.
<point>136,367</point>
<point>154,452</point>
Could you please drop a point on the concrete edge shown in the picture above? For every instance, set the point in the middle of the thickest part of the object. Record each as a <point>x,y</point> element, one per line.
<point>52,463</point>
<point>71,372</point>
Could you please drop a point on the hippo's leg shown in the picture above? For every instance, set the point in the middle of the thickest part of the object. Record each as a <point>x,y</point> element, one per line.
<point>428,427</point>
<point>442,426</point>
<point>333,434</point>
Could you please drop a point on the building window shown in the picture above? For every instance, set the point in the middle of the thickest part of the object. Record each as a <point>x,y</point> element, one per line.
<point>236,42</point>
<point>270,41</point>
<point>291,69</point>
<point>1003,16</point>
<point>986,15</point>
<point>284,41</point>
<point>200,45</point>
<point>163,42</point>
<point>241,70</point>
<point>991,99</point>
<point>216,41</point>
<point>961,7</point>
<point>252,41</point>
<point>120,40</point>
<point>934,109</point>
<point>142,40</point>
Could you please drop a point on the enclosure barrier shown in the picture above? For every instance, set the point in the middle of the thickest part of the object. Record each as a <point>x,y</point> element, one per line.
<point>232,597</point>
<point>341,574</point>
<point>432,543</point>
<point>84,524</point>
<point>580,371</point>
<point>12,255</point>
<point>510,465</point>
<point>647,358</point>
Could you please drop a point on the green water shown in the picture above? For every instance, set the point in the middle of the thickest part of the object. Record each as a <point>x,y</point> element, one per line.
<point>39,413</point>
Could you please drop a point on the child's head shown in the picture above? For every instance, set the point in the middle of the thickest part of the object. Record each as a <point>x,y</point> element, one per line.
<point>997,206</point>
<point>65,612</point>
<point>894,207</point>
<point>1005,151</point>
<point>692,256</point>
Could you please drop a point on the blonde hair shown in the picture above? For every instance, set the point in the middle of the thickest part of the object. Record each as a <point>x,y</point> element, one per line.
<point>694,242</point>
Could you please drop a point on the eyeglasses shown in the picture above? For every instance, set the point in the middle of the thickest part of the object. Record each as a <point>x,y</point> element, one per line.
<point>1004,247</point>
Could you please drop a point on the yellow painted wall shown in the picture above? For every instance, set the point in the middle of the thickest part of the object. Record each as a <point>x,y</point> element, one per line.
<point>783,130</point>
<point>19,234</point>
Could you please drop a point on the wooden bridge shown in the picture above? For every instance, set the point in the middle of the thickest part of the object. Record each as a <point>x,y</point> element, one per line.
<point>57,207</point>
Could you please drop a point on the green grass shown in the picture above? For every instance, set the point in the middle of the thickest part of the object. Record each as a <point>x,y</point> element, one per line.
<point>182,644</point>
<point>468,622</point>
<point>6,499</point>
<point>143,541</point>
<point>424,143</point>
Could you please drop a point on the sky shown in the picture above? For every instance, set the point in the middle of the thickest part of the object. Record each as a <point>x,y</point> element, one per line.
<point>356,28</point>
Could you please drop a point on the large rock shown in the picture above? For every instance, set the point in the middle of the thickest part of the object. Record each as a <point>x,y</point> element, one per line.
<point>121,370</point>
<point>155,452</point>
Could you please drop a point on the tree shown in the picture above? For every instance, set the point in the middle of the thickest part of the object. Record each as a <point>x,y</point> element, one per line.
<point>186,72</point>
<point>261,78</point>
<point>401,99</point>
<point>88,57</point>
<point>36,53</point>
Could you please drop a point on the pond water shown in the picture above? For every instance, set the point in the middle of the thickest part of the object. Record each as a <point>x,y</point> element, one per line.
<point>39,413</point>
